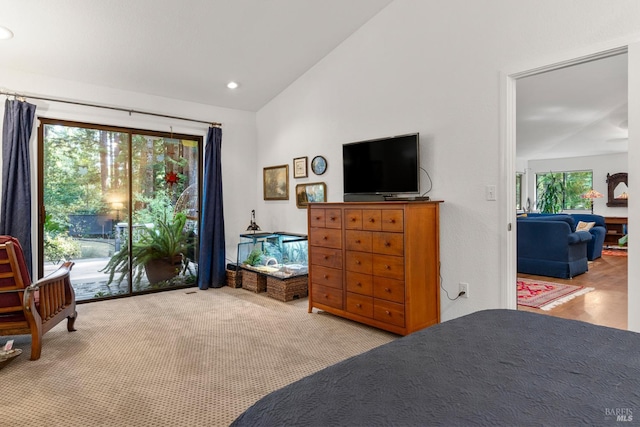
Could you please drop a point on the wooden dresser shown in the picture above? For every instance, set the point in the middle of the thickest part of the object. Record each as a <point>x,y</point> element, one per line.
<point>376,263</point>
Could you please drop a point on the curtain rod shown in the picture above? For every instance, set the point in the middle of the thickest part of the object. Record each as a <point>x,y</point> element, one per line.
<point>86,104</point>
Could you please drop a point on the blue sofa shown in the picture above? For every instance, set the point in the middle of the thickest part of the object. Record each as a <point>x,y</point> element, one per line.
<point>547,246</point>
<point>598,231</point>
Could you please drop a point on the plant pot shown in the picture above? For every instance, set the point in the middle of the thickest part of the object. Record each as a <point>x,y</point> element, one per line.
<point>161,269</point>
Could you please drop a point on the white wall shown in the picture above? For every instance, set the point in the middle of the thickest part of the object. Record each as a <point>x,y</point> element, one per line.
<point>600,165</point>
<point>238,133</point>
<point>431,67</point>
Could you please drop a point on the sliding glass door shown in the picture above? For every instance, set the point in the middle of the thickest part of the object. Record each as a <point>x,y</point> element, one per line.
<point>122,204</point>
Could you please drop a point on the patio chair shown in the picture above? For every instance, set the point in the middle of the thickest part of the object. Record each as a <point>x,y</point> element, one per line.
<point>33,309</point>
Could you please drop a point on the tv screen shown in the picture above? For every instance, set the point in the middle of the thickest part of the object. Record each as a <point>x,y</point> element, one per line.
<point>382,166</point>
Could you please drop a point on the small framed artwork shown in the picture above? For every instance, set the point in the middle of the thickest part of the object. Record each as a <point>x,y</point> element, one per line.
<point>300,168</point>
<point>275,180</point>
<point>310,193</point>
<point>319,165</point>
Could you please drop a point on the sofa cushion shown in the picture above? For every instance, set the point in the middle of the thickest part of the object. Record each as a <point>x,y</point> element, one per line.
<point>585,226</point>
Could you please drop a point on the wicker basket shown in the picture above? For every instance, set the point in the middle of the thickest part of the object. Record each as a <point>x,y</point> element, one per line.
<point>253,281</point>
<point>288,289</point>
<point>234,278</point>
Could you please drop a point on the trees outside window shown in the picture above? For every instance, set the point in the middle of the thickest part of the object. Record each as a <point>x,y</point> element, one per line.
<point>557,191</point>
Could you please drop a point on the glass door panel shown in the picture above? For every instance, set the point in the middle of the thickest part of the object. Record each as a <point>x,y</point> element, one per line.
<point>165,212</point>
<point>85,195</point>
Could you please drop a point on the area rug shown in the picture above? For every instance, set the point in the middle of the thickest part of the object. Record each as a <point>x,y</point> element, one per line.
<point>546,295</point>
<point>614,252</point>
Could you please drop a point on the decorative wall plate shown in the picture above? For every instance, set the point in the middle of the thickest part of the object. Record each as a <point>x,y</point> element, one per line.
<point>319,165</point>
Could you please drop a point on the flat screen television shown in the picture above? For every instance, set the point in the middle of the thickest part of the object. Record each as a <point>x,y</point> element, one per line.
<point>385,166</point>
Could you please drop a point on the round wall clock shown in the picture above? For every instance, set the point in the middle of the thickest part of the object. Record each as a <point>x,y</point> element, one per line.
<point>319,165</point>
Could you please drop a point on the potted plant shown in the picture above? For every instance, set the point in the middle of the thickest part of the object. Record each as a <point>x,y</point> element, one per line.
<point>159,253</point>
<point>551,194</point>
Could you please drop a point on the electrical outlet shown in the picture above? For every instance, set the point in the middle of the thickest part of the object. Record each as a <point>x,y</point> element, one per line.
<point>463,287</point>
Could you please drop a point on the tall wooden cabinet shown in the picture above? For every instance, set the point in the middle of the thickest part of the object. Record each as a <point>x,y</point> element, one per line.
<point>376,263</point>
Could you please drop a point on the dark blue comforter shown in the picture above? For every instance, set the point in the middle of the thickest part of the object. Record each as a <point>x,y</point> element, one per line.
<point>494,367</point>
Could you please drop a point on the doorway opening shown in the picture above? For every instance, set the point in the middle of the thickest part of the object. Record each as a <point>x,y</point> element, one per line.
<point>565,136</point>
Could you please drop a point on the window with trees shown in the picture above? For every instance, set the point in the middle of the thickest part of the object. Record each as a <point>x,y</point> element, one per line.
<point>556,191</point>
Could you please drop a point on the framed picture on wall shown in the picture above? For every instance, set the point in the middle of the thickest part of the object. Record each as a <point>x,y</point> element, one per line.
<point>310,193</point>
<point>300,167</point>
<point>275,180</point>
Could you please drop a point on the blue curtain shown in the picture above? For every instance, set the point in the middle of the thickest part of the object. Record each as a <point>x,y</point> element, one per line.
<point>211,262</point>
<point>15,215</point>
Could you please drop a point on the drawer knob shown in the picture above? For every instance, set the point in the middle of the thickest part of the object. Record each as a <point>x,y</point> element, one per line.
<point>392,221</point>
<point>326,296</point>
<point>317,218</point>
<point>326,257</point>
<point>325,238</point>
<point>387,267</point>
<point>387,244</point>
<point>326,276</point>
<point>387,290</point>
<point>333,218</point>
<point>359,305</point>
<point>357,262</point>
<point>359,284</point>
<point>371,220</point>
<point>353,219</point>
<point>388,312</point>
<point>358,241</point>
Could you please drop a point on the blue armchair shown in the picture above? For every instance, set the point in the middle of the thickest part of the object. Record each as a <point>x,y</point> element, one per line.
<point>598,231</point>
<point>549,247</point>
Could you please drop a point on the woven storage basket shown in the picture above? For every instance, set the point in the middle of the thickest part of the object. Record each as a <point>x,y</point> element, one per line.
<point>234,278</point>
<point>253,281</point>
<point>287,289</point>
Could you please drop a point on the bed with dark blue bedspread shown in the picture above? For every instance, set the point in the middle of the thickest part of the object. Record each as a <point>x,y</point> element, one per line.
<point>493,367</point>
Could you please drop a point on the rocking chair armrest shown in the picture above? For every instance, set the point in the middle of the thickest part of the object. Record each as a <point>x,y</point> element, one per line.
<point>9,291</point>
<point>28,291</point>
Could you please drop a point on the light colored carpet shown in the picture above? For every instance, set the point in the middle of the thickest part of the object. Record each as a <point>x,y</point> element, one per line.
<point>177,358</point>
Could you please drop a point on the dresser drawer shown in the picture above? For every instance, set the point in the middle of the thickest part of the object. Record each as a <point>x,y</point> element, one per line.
<point>388,266</point>
<point>388,312</point>
<point>325,237</point>
<point>355,240</point>
<point>360,262</point>
<point>317,218</point>
<point>393,220</point>
<point>371,219</point>
<point>359,304</point>
<point>359,283</point>
<point>388,289</point>
<point>388,243</point>
<point>326,295</point>
<point>333,218</point>
<point>326,256</point>
<point>353,219</point>
<point>326,276</point>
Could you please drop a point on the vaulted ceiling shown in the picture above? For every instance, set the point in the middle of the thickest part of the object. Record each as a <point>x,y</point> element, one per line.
<point>191,49</point>
<point>187,49</point>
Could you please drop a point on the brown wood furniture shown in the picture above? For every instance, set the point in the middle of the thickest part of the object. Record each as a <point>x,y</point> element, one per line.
<point>32,309</point>
<point>616,228</point>
<point>376,263</point>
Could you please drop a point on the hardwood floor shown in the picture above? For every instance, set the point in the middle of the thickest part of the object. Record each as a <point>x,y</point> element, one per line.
<point>606,305</point>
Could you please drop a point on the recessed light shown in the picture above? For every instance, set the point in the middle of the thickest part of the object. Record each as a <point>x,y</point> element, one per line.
<point>5,33</point>
<point>232,85</point>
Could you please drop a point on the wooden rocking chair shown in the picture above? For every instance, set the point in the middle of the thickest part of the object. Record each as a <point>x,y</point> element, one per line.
<point>33,309</point>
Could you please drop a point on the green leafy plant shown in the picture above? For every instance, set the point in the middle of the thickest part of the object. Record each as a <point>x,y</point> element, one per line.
<point>551,193</point>
<point>254,257</point>
<point>167,240</point>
